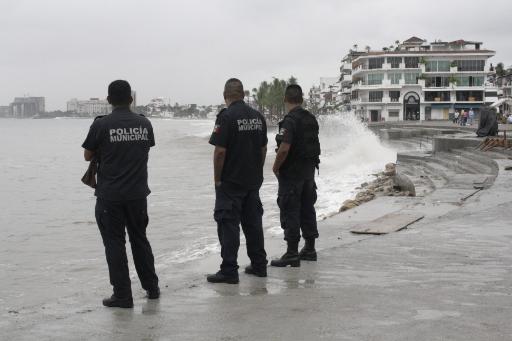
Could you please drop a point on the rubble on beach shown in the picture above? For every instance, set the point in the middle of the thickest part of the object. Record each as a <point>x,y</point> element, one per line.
<point>388,183</point>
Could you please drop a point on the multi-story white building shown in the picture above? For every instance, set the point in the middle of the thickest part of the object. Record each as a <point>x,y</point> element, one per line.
<point>92,106</point>
<point>346,78</point>
<point>329,91</point>
<point>504,83</point>
<point>420,81</point>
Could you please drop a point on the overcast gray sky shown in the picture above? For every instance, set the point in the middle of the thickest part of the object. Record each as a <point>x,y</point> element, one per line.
<point>185,50</point>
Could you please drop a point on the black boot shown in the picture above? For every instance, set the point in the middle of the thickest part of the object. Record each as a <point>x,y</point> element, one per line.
<point>116,302</point>
<point>219,277</point>
<point>259,272</point>
<point>291,257</point>
<point>308,252</point>
<point>153,293</point>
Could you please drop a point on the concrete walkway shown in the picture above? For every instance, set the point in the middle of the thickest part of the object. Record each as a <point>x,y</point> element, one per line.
<point>447,277</point>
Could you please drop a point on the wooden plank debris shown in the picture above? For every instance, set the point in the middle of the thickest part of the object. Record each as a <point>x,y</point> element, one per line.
<point>391,222</point>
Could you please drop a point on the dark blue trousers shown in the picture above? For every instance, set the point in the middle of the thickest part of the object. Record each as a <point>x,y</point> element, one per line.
<point>235,206</point>
<point>296,200</point>
<point>113,217</point>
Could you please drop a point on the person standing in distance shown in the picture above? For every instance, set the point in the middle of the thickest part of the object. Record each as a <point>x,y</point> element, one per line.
<point>120,142</point>
<point>298,155</point>
<point>240,140</point>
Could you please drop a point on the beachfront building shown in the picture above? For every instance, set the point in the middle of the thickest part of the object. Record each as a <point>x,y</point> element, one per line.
<point>23,107</point>
<point>93,106</point>
<point>345,79</point>
<point>90,107</point>
<point>504,83</point>
<point>329,91</point>
<point>420,81</point>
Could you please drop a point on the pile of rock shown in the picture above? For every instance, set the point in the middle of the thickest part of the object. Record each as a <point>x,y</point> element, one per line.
<point>388,183</point>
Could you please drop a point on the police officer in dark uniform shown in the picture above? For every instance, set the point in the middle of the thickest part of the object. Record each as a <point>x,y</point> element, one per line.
<point>120,142</point>
<point>240,140</point>
<point>296,160</point>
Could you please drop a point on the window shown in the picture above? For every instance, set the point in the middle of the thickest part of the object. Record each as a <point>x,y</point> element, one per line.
<point>437,82</point>
<point>462,81</point>
<point>411,78</point>
<point>355,94</point>
<point>478,81</point>
<point>394,96</point>
<point>470,80</point>
<point>395,62</point>
<point>431,66</point>
<point>375,96</point>
<point>375,63</point>
<point>411,62</point>
<point>437,66</point>
<point>470,65</point>
<point>395,77</point>
<point>375,78</point>
<point>394,113</point>
<point>469,96</point>
<point>443,66</point>
<point>437,96</point>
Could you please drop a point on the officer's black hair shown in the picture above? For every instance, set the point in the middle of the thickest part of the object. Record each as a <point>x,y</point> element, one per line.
<point>120,93</point>
<point>293,94</point>
<point>234,89</point>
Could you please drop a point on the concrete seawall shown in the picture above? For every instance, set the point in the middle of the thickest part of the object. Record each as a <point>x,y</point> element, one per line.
<point>444,136</point>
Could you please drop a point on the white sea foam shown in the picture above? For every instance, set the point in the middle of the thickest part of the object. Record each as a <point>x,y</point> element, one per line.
<point>351,153</point>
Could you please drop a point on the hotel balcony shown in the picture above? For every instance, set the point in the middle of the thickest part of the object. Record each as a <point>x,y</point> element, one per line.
<point>358,69</point>
<point>346,66</point>
<point>361,86</point>
<point>346,79</point>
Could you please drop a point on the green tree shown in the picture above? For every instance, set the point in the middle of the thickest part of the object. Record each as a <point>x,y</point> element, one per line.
<point>269,97</point>
<point>500,70</point>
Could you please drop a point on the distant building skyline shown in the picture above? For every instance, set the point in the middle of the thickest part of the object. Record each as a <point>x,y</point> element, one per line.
<point>23,107</point>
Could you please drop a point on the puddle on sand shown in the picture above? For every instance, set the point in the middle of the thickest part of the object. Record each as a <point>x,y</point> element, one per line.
<point>253,287</point>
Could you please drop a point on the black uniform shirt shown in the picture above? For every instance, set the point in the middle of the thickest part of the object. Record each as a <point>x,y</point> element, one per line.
<point>121,142</point>
<point>294,167</point>
<point>243,132</point>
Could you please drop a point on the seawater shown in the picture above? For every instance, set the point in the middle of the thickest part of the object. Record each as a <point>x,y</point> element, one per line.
<point>49,236</point>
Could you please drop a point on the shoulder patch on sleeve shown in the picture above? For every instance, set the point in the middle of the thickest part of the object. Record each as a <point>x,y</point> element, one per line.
<point>221,112</point>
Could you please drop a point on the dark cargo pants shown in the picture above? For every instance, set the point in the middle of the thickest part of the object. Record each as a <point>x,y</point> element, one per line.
<point>112,218</point>
<point>235,205</point>
<point>296,200</point>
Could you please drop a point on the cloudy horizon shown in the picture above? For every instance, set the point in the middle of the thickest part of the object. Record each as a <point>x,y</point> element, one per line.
<point>184,51</point>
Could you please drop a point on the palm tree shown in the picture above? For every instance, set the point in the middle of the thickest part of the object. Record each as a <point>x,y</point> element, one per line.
<point>355,47</point>
<point>367,48</point>
<point>500,70</point>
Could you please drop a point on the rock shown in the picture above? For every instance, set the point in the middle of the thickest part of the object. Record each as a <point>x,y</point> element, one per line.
<point>364,184</point>
<point>390,169</point>
<point>402,183</point>
<point>387,189</point>
<point>348,204</point>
